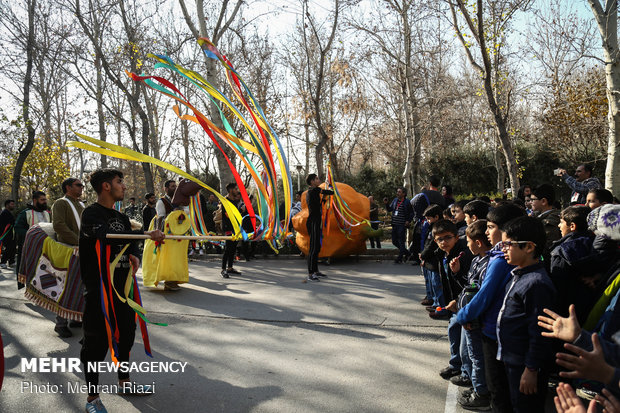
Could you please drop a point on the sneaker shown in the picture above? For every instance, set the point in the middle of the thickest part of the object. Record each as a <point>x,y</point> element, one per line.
<point>443,315</point>
<point>63,331</point>
<point>224,274</point>
<point>201,252</point>
<point>312,277</point>
<point>461,381</point>
<point>586,394</point>
<point>465,394</point>
<point>96,406</point>
<point>449,372</point>
<point>320,274</point>
<point>476,402</point>
<point>426,301</point>
<point>233,271</point>
<point>4,266</point>
<point>191,252</point>
<point>171,286</point>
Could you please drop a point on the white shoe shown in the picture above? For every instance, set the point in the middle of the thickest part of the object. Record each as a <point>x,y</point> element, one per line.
<point>201,252</point>
<point>191,252</point>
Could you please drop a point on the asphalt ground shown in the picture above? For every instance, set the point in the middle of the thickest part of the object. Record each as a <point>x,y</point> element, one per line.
<point>263,341</point>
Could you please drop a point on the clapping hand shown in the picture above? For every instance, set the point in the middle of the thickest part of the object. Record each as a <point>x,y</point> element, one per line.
<point>567,401</point>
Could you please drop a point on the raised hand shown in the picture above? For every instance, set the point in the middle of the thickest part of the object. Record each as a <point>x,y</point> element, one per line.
<point>564,328</point>
<point>589,365</point>
<point>567,401</point>
<point>608,401</point>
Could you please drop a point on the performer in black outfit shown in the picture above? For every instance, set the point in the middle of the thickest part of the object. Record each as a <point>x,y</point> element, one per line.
<point>231,246</point>
<point>314,224</point>
<point>98,220</point>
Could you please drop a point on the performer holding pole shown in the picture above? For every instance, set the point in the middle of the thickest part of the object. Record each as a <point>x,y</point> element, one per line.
<point>314,224</point>
<point>98,220</point>
<point>231,246</point>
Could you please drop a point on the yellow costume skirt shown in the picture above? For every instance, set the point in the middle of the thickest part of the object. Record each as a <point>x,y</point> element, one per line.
<point>167,261</point>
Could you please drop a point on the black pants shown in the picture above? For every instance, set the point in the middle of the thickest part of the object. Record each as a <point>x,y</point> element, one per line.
<point>314,231</point>
<point>18,262</point>
<point>8,255</point>
<point>533,403</point>
<point>495,374</point>
<point>373,240</point>
<point>229,254</point>
<point>95,344</point>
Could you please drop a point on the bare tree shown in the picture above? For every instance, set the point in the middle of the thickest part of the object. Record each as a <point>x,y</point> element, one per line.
<point>486,26</point>
<point>607,21</point>
<point>131,29</point>
<point>225,18</point>
<point>26,147</point>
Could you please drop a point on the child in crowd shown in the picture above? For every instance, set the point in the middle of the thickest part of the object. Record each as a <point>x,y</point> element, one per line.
<point>485,306</point>
<point>598,197</point>
<point>571,256</point>
<point>458,217</point>
<point>452,249</point>
<point>522,348</point>
<point>476,397</point>
<point>475,210</point>
<point>429,262</point>
<point>447,214</point>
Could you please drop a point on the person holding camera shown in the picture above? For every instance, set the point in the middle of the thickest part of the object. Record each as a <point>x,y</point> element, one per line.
<point>581,183</point>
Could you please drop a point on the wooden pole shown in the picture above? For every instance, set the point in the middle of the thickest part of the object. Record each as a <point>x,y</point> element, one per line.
<point>173,237</point>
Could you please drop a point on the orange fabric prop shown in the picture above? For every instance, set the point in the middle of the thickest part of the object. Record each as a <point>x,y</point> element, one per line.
<point>335,243</point>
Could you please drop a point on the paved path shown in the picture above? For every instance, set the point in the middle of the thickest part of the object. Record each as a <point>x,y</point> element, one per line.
<point>260,342</point>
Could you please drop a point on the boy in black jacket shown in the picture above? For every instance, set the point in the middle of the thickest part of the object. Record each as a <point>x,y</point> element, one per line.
<point>429,263</point>
<point>452,248</point>
<point>522,348</point>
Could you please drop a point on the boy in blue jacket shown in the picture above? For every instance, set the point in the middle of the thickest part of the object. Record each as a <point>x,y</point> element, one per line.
<point>485,306</point>
<point>521,346</point>
<point>477,397</point>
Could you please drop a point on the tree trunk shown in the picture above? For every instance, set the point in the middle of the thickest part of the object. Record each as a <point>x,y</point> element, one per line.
<point>607,21</point>
<point>25,151</point>
<point>103,135</point>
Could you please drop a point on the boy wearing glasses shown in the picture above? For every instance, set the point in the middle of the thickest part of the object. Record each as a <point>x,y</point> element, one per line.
<point>521,346</point>
<point>452,249</point>
<point>485,306</point>
<point>66,219</point>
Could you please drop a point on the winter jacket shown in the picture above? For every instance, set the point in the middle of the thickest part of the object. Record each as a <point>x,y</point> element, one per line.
<point>581,189</point>
<point>571,258</point>
<point>487,302</point>
<point>428,254</point>
<point>453,284</point>
<point>550,220</point>
<point>520,341</point>
<point>402,211</point>
<point>424,199</point>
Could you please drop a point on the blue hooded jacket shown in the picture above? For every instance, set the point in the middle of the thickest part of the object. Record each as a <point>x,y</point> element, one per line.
<point>487,302</point>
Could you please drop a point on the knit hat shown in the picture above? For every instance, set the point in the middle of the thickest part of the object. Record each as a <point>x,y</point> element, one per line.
<point>605,221</point>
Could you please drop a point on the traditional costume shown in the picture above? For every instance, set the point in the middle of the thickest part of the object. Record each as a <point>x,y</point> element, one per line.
<point>51,273</point>
<point>167,261</point>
